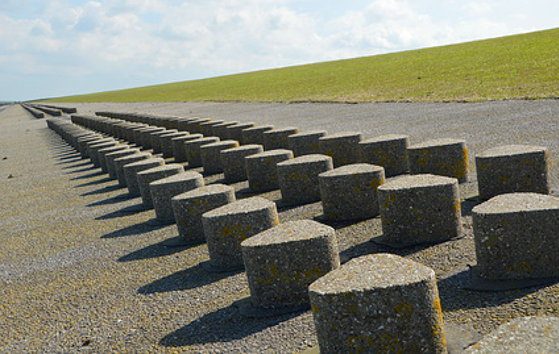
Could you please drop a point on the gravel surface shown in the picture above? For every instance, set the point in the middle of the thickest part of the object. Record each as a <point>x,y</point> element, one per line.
<point>81,269</point>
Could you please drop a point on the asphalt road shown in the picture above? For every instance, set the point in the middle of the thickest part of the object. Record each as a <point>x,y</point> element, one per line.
<point>82,270</point>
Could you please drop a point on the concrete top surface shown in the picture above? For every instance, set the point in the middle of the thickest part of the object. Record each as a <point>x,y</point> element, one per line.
<point>146,162</point>
<point>217,188</point>
<point>168,167</point>
<point>383,138</point>
<point>268,153</point>
<point>510,150</point>
<point>417,181</point>
<point>289,232</point>
<point>341,135</point>
<point>242,206</point>
<point>353,169</point>
<point>179,177</point>
<point>305,159</point>
<point>260,127</point>
<point>222,143</point>
<point>282,130</point>
<point>517,202</point>
<point>308,133</point>
<point>372,272</point>
<point>437,142</point>
<point>242,148</point>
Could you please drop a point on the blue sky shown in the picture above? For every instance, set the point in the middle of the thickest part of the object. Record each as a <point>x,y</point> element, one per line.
<point>62,47</point>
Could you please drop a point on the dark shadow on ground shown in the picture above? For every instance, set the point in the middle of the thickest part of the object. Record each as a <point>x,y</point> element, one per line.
<point>131,209</point>
<point>89,175</point>
<point>106,189</point>
<point>134,230</point>
<point>92,183</point>
<point>155,251</point>
<point>223,325</point>
<point>189,278</point>
<point>454,296</point>
<point>84,163</point>
<point>112,200</point>
<point>469,204</point>
<point>68,160</point>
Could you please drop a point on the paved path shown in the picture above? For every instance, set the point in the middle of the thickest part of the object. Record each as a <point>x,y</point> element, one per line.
<point>80,268</point>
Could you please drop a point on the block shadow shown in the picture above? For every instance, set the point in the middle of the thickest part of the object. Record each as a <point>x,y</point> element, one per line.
<point>157,250</point>
<point>112,200</point>
<point>131,209</point>
<point>223,325</point>
<point>89,175</point>
<point>134,230</point>
<point>92,183</point>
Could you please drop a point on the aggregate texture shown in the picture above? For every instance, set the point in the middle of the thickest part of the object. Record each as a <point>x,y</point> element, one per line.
<point>342,147</point>
<point>261,169</point>
<point>233,161</point>
<point>163,190</point>
<point>389,151</point>
<point>444,157</point>
<point>153,174</point>
<point>131,173</point>
<point>81,271</point>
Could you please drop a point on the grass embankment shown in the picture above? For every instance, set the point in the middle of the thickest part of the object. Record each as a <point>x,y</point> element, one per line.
<point>520,66</point>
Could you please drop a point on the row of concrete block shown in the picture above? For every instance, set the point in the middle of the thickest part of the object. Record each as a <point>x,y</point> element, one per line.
<point>281,262</point>
<point>33,111</point>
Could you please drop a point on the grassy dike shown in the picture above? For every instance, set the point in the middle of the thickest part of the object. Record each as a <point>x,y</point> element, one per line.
<point>519,66</point>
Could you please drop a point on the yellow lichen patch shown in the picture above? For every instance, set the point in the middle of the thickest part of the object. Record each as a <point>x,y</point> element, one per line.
<point>437,329</point>
<point>457,206</point>
<point>239,231</point>
<point>404,309</point>
<point>523,267</point>
<point>389,200</point>
<point>315,309</point>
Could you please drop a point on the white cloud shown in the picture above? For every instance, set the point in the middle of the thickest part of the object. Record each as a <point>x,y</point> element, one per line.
<point>104,44</point>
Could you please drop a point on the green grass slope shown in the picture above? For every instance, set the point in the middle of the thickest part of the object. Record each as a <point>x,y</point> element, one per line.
<point>519,66</point>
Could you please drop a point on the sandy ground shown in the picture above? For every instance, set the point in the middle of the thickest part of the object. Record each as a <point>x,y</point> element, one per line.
<point>81,270</point>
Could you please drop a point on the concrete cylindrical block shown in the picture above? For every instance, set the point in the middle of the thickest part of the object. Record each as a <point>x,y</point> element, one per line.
<point>262,170</point>
<point>111,157</point>
<point>283,261</point>
<point>83,142</point>
<point>516,236</point>
<point>190,206</point>
<point>255,135</point>
<point>233,161</point>
<point>95,142</point>
<point>513,168</point>
<point>227,226</point>
<point>389,151</point>
<point>534,334</point>
<point>156,141</point>
<point>153,174</point>
<point>192,150</point>
<point>178,146</point>
<point>278,138</point>
<point>145,136</point>
<point>206,128</point>
<point>443,157</point>
<point>211,155</point>
<point>167,142</point>
<point>121,161</point>
<point>343,147</point>
<point>350,192</point>
<point>131,170</point>
<point>93,151</point>
<point>220,130</point>
<point>163,190</point>
<point>420,209</point>
<point>305,143</point>
<point>379,303</point>
<point>235,132</point>
<point>103,152</point>
<point>298,178</point>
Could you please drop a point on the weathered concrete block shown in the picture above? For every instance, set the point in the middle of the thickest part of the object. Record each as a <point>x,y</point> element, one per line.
<point>350,192</point>
<point>235,132</point>
<point>233,161</point>
<point>283,261</point>
<point>261,169</point>
<point>513,168</point>
<point>343,147</point>
<point>103,152</point>
<point>227,226</point>
<point>255,135</point>
<point>379,303</point>
<point>184,124</point>
<point>145,136</point>
<point>111,157</point>
<point>211,155</point>
<point>530,335</point>
<point>516,236</point>
<point>420,209</point>
<point>298,178</point>
<point>83,143</point>
<point>389,151</point>
<point>93,148</point>
<point>167,142</point>
<point>278,138</point>
<point>156,140</point>
<point>131,170</point>
<point>220,130</point>
<point>121,161</point>
<point>443,157</point>
<point>178,146</point>
<point>305,143</point>
<point>163,190</point>
<point>153,174</point>
<point>206,128</point>
<point>192,150</point>
<point>190,206</point>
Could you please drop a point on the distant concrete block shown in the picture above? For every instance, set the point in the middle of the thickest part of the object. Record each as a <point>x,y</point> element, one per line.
<point>211,155</point>
<point>192,150</point>
<point>420,209</point>
<point>226,227</point>
<point>513,168</point>
<point>378,303</point>
<point>278,138</point>
<point>153,174</point>
<point>190,206</point>
<point>235,132</point>
<point>305,143</point>
<point>298,178</point>
<point>350,192</point>
<point>178,146</point>
<point>342,147</point>
<point>261,169</point>
<point>255,135</point>
<point>206,128</point>
<point>233,162</point>
<point>443,157</point>
<point>516,236</point>
<point>103,152</point>
<point>131,170</point>
<point>220,130</point>
<point>120,162</point>
<point>389,151</point>
<point>111,157</point>
<point>283,261</point>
